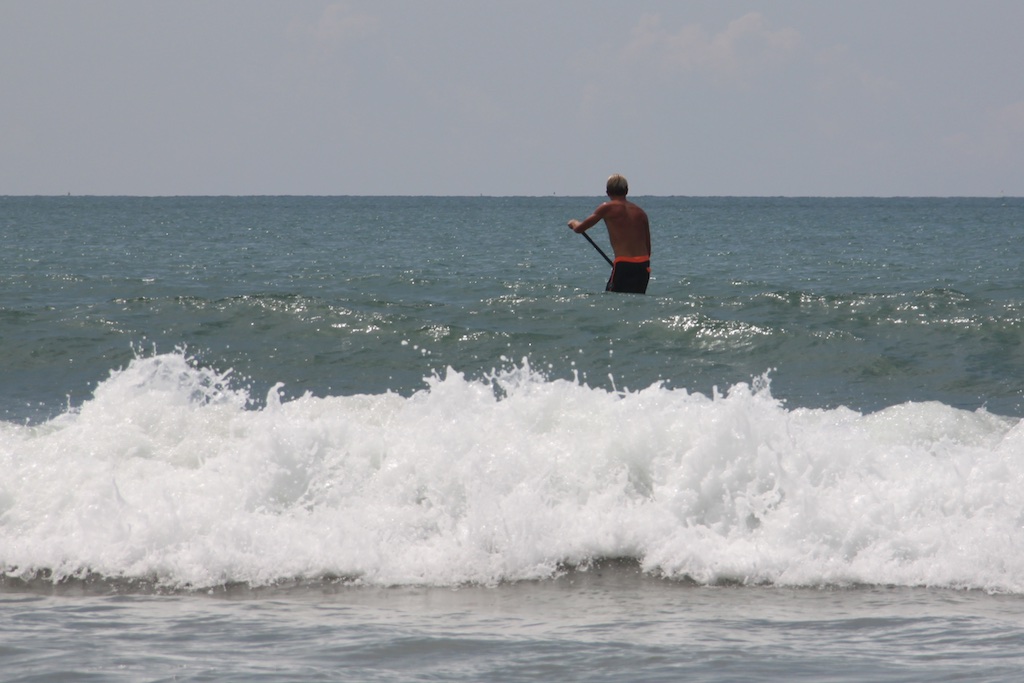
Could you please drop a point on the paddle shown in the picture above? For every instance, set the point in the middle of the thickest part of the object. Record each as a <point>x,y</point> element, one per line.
<point>599,250</point>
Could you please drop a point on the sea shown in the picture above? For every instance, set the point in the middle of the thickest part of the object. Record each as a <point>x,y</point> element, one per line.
<point>412,439</point>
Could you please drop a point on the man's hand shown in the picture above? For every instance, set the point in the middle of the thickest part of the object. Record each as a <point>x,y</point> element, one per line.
<point>573,224</point>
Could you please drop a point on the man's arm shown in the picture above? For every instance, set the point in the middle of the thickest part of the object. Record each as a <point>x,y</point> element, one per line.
<point>590,221</point>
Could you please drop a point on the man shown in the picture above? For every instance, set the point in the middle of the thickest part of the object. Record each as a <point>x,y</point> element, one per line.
<point>630,235</point>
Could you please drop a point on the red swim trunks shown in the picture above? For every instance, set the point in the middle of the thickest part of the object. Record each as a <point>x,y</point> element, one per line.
<point>630,274</point>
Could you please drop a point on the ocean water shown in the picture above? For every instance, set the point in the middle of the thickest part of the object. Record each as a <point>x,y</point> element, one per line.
<point>402,438</point>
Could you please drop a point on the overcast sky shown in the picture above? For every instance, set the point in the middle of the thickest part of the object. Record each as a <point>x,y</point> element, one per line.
<point>468,97</point>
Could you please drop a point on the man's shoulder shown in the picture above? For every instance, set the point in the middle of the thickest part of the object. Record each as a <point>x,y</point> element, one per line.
<point>635,208</point>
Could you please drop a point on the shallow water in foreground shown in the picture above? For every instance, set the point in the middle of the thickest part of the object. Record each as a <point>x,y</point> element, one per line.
<point>607,623</point>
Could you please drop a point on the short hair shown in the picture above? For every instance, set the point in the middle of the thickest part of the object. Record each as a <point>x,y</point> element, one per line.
<point>617,186</point>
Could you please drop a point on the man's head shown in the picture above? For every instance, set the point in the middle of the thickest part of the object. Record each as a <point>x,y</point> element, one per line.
<point>617,186</point>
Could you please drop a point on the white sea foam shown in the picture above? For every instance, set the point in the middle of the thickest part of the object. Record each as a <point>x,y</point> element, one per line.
<point>170,474</point>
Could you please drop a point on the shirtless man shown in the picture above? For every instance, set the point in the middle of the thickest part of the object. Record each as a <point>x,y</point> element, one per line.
<point>630,235</point>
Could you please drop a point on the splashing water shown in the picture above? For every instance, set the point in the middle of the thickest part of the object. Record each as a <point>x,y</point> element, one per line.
<point>172,474</point>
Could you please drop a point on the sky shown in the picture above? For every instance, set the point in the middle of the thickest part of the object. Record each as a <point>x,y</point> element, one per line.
<point>535,98</point>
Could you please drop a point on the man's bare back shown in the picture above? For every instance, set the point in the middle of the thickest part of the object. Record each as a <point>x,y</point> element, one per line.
<point>629,231</point>
<point>628,228</point>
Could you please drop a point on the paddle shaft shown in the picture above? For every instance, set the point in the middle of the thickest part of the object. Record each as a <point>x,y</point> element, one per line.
<point>599,250</point>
